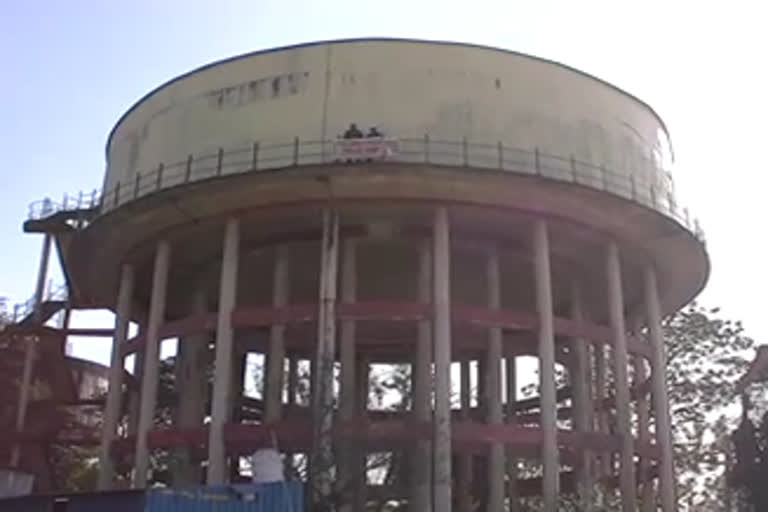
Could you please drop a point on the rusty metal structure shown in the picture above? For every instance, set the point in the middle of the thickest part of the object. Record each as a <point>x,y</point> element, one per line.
<point>507,208</point>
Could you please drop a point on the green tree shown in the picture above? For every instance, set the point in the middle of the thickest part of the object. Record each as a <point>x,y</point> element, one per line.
<point>706,355</point>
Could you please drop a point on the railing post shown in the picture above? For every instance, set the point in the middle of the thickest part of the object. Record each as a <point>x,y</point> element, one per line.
<point>79,200</point>
<point>426,148</point>
<point>117,194</point>
<point>464,151</point>
<point>500,149</point>
<point>536,162</point>
<point>295,151</point>
<point>219,161</point>
<point>64,202</point>
<point>188,171</point>
<point>159,183</point>
<point>93,198</point>
<point>255,156</point>
<point>136,185</point>
<point>634,186</point>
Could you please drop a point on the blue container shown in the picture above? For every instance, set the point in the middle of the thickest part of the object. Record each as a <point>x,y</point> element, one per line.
<point>274,497</point>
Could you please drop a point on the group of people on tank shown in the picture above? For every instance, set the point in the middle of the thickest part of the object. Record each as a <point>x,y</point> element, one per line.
<point>353,132</point>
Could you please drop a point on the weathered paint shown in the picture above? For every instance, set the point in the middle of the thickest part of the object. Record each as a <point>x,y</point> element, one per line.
<point>406,89</point>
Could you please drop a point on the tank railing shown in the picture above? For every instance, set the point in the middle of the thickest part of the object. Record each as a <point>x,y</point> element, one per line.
<point>47,207</point>
<point>646,184</point>
<point>52,293</point>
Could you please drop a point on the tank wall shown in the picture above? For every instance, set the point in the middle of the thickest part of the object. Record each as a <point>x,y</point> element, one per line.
<point>407,89</point>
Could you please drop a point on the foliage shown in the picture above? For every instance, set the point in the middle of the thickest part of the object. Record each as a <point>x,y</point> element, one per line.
<point>706,355</point>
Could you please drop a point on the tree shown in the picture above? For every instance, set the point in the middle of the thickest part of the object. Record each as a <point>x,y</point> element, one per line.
<point>706,355</point>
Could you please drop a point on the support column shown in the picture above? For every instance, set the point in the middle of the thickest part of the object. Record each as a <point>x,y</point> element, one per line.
<point>643,423</point>
<point>659,396</point>
<point>441,302</point>
<point>223,363</point>
<point>581,402</point>
<point>421,463</point>
<point>322,389</point>
<point>627,481</point>
<point>349,389</point>
<point>493,389</point>
<point>512,461</point>
<point>150,375</point>
<point>192,388</point>
<point>113,406</point>
<point>30,348</point>
<point>363,378</point>
<point>464,468</point>
<point>276,359</point>
<point>551,475</point>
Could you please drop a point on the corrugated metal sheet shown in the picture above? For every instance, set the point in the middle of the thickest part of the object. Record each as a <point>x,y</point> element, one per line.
<point>275,497</point>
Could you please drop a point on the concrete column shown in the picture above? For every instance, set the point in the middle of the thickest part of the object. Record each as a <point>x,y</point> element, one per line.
<point>493,389</point>
<point>322,390</point>
<point>134,399</point>
<point>643,422</point>
<point>551,475</point>
<point>512,461</point>
<point>627,481</point>
<point>464,473</point>
<point>149,379</point>
<point>581,402</point>
<point>441,302</point>
<point>363,378</point>
<point>659,395</point>
<point>192,388</point>
<point>349,389</point>
<point>113,406</point>
<point>421,466</point>
<point>276,358</point>
<point>30,348</point>
<point>602,421</point>
<point>223,362</point>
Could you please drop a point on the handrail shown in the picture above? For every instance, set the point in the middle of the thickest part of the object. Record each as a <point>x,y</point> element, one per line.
<point>649,187</point>
<point>80,201</point>
<point>23,309</point>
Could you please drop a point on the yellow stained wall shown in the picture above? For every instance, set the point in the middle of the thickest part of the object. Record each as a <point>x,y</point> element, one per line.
<point>406,88</point>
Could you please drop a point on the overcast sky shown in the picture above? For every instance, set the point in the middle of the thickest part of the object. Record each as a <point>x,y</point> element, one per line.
<point>71,68</point>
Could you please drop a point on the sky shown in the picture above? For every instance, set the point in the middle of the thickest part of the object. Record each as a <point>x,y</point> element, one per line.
<point>71,68</point>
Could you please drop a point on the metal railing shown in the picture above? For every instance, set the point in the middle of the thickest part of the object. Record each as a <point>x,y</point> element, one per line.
<point>644,184</point>
<point>24,309</point>
<point>80,201</point>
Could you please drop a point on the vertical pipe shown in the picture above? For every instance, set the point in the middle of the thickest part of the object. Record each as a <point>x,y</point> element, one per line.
<point>30,349</point>
<point>627,482</point>
<point>581,402</point>
<point>349,388</point>
<point>512,462</point>
<point>322,391</point>
<point>421,477</point>
<point>659,395</point>
<point>115,391</point>
<point>149,380</point>
<point>276,358</point>
<point>493,389</point>
<point>441,289</point>
<point>223,362</point>
<point>550,479</point>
